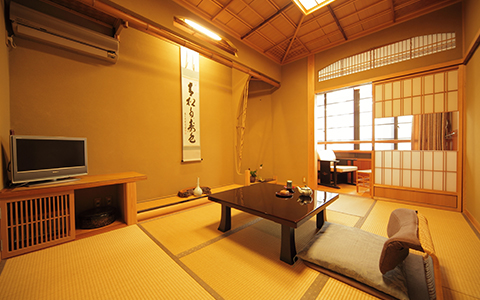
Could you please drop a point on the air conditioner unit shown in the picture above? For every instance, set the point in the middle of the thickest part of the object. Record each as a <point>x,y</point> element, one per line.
<point>31,24</point>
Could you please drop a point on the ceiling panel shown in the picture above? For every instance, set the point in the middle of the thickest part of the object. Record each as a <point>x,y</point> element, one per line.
<point>208,7</point>
<point>272,33</point>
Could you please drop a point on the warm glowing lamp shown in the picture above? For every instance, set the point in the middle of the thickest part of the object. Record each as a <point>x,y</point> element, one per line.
<point>203,30</point>
<point>309,6</point>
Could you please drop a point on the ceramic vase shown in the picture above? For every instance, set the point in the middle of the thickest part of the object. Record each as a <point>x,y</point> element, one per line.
<point>198,190</point>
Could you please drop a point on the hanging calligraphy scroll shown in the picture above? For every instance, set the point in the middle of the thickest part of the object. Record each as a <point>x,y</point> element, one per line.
<point>190,105</point>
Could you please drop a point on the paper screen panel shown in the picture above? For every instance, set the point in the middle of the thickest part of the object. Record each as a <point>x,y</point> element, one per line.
<point>428,170</point>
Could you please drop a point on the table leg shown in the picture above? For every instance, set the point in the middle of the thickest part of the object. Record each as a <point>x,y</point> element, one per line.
<point>226,220</point>
<point>288,251</point>
<point>320,219</point>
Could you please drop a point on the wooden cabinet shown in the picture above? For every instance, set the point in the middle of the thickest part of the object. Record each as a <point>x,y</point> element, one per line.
<point>37,217</point>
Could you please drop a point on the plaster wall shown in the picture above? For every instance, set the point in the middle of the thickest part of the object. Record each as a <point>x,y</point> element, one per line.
<point>130,112</point>
<point>472,114</point>
<point>4,103</point>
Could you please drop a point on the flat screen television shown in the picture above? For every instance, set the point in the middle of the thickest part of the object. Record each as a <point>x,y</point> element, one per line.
<point>46,158</point>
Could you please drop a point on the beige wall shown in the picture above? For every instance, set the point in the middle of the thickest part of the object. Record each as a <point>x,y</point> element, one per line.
<point>4,103</point>
<point>130,112</point>
<point>289,113</point>
<point>472,114</point>
<point>258,144</point>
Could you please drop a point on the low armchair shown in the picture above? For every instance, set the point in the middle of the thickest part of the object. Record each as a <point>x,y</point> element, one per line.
<point>329,167</point>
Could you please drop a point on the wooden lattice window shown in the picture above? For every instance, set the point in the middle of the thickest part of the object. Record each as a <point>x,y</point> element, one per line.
<point>390,54</point>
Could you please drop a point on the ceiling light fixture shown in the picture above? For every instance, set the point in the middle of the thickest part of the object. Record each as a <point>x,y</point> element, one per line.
<point>203,30</point>
<point>204,34</point>
<point>309,6</point>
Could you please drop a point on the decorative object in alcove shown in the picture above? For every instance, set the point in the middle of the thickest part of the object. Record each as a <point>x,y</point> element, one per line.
<point>97,217</point>
<point>185,193</point>
<point>198,190</point>
<point>190,105</point>
<point>253,174</point>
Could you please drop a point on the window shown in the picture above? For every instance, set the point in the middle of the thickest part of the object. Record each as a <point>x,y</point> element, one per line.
<point>343,119</point>
<point>390,54</point>
<point>396,129</point>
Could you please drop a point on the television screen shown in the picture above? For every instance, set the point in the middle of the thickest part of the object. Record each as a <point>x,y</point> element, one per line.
<point>36,158</point>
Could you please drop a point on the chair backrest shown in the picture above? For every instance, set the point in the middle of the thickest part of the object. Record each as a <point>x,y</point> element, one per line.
<point>326,155</point>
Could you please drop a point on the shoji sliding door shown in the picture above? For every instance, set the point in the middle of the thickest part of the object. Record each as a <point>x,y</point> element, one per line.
<point>418,136</point>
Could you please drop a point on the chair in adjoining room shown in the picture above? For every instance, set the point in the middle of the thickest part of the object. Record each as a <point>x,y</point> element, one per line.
<point>329,166</point>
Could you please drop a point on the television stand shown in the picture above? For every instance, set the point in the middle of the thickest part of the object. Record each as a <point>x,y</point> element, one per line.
<point>40,216</point>
<point>53,181</point>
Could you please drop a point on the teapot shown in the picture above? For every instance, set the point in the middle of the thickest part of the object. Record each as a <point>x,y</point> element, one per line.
<point>305,191</point>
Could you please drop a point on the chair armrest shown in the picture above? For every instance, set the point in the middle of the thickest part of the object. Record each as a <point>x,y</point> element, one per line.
<point>334,161</point>
<point>348,161</point>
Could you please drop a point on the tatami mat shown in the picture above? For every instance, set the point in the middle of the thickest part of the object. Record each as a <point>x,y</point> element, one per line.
<point>121,264</point>
<point>341,218</point>
<point>183,255</point>
<point>246,265</point>
<point>353,205</point>
<point>187,229</point>
<point>335,289</point>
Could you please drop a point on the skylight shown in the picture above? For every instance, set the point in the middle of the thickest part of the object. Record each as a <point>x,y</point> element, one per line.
<point>309,6</point>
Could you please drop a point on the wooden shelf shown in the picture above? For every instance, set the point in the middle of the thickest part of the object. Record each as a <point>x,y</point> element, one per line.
<point>41,216</point>
<point>83,182</point>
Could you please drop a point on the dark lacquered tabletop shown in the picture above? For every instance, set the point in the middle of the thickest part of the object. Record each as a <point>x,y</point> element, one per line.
<point>261,200</point>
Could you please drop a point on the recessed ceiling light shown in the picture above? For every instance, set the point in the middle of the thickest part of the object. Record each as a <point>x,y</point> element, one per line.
<point>309,6</point>
<point>203,30</point>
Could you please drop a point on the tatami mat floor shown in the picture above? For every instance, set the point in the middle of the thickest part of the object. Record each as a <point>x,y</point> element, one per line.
<point>182,255</point>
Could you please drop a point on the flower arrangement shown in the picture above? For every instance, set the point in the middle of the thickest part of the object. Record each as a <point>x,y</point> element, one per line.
<point>253,173</point>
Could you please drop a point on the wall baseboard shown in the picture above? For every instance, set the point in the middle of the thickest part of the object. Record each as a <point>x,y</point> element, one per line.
<point>418,197</point>
<point>472,220</point>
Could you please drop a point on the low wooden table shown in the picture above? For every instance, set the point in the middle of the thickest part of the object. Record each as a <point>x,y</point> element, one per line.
<point>261,200</point>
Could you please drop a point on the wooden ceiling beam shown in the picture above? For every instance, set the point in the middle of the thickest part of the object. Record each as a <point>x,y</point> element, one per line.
<point>293,38</point>
<point>392,6</point>
<point>267,20</point>
<point>336,21</point>
<point>326,36</point>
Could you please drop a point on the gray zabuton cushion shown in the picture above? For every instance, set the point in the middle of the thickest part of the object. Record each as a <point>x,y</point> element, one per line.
<point>354,253</point>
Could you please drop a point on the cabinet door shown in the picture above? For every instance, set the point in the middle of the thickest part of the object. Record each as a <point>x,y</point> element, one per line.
<point>36,222</point>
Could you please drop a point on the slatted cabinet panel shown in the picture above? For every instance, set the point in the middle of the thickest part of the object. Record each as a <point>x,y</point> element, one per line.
<point>33,223</point>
